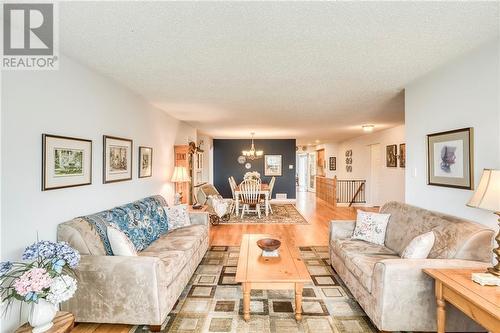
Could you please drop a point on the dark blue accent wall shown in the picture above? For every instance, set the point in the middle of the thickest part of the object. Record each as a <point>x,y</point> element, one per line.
<point>226,164</point>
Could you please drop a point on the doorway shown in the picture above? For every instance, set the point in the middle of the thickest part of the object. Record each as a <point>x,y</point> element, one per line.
<point>302,172</point>
<point>311,181</point>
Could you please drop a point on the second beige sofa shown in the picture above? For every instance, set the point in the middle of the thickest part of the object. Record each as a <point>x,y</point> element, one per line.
<point>394,292</point>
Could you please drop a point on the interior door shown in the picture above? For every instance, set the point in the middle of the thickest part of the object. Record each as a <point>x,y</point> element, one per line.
<point>373,183</point>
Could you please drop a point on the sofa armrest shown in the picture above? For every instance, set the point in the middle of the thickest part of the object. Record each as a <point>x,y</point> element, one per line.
<point>341,229</point>
<point>401,284</point>
<point>199,218</point>
<point>126,289</point>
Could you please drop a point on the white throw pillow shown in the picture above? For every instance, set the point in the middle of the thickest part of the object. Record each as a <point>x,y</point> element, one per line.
<point>120,244</point>
<point>420,246</point>
<point>371,227</point>
<point>177,216</point>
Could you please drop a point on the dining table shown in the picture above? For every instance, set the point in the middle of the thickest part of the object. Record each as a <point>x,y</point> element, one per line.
<point>264,190</point>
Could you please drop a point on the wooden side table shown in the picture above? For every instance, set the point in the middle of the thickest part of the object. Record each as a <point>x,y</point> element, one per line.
<point>63,323</point>
<point>480,303</point>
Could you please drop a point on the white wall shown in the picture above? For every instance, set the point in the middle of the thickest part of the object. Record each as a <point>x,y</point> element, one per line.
<point>463,93</point>
<point>330,151</point>
<point>207,175</point>
<point>72,101</point>
<point>392,179</point>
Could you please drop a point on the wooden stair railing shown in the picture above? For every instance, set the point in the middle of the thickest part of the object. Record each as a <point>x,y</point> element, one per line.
<point>326,190</point>
<point>350,191</point>
<point>356,194</point>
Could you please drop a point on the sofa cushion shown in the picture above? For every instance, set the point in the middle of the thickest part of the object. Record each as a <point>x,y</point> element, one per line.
<point>143,222</point>
<point>455,237</point>
<point>419,247</point>
<point>370,227</point>
<point>176,248</point>
<point>360,257</point>
<point>177,216</point>
<point>120,244</point>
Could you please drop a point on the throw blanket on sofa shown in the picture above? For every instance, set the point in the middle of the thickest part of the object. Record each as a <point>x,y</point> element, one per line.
<point>143,221</point>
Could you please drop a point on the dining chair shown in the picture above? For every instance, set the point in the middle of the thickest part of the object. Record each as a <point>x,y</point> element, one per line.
<point>232,185</point>
<point>250,196</point>
<point>271,188</point>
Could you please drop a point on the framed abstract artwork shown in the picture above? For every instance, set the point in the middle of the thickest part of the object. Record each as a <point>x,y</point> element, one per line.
<point>66,162</point>
<point>391,156</point>
<point>145,162</point>
<point>272,165</point>
<point>117,159</point>
<point>332,163</point>
<point>402,155</point>
<point>450,159</point>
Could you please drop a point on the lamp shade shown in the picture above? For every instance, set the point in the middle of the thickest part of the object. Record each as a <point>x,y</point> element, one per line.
<point>487,195</point>
<point>180,175</point>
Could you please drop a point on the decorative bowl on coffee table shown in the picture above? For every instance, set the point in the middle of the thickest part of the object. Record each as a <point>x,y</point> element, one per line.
<point>268,244</point>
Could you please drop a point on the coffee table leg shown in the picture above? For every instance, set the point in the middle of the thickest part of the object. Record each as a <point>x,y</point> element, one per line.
<point>298,301</point>
<point>246,300</point>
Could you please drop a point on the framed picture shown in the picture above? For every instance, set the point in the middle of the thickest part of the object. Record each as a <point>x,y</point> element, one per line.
<point>145,162</point>
<point>402,155</point>
<point>117,159</point>
<point>66,162</point>
<point>391,156</point>
<point>272,165</point>
<point>332,163</point>
<point>450,159</point>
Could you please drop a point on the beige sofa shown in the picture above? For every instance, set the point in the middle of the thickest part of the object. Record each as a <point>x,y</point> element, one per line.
<point>133,290</point>
<point>394,292</point>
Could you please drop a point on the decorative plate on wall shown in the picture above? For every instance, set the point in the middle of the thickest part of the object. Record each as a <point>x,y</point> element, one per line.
<point>241,159</point>
<point>248,166</point>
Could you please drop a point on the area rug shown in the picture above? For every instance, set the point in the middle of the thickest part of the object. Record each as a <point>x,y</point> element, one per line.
<point>282,214</point>
<point>212,301</point>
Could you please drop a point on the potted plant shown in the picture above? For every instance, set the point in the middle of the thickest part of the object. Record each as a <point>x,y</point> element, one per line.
<point>43,279</point>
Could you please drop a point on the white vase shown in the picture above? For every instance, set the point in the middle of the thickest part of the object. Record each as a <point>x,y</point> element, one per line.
<point>41,315</point>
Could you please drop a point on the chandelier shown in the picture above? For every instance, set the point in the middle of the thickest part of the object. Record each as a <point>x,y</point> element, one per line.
<point>252,154</point>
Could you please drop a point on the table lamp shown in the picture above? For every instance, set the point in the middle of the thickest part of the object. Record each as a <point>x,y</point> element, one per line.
<point>179,176</point>
<point>487,196</point>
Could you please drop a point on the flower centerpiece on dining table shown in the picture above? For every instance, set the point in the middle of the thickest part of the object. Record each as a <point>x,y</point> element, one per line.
<point>254,175</point>
<point>43,279</point>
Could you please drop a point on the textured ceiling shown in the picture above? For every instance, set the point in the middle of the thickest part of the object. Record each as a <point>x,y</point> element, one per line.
<point>305,70</point>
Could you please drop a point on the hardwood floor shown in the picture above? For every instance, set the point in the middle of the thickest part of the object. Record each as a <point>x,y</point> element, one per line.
<point>316,212</point>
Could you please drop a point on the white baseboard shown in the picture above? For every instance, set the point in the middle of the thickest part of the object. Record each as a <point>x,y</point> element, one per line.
<point>277,201</point>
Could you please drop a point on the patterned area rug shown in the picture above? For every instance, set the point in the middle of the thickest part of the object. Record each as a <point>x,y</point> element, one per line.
<point>282,214</point>
<point>212,301</point>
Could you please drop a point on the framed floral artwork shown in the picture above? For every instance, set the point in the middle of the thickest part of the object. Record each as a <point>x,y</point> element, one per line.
<point>272,165</point>
<point>145,162</point>
<point>66,162</point>
<point>450,159</point>
<point>117,159</point>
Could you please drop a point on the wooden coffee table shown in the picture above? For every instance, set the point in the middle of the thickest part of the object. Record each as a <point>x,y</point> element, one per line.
<point>287,271</point>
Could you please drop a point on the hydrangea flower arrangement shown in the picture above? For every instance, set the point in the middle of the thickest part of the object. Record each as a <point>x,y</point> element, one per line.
<point>252,175</point>
<point>46,273</point>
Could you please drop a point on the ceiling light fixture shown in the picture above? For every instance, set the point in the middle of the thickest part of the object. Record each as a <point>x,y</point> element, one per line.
<point>252,154</point>
<point>368,128</point>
